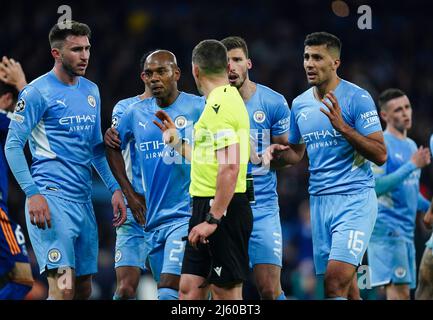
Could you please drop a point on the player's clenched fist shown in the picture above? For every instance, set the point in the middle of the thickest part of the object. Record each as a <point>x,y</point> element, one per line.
<point>39,212</point>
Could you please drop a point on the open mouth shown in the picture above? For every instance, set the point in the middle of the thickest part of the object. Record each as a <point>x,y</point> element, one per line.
<point>311,75</point>
<point>157,89</point>
<point>233,78</point>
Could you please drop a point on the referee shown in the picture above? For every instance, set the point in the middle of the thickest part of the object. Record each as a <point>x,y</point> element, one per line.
<point>216,255</point>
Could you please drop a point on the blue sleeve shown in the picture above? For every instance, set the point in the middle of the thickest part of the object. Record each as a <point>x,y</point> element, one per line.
<point>294,133</point>
<point>387,182</point>
<point>99,161</point>
<point>118,111</point>
<point>124,128</point>
<point>423,203</point>
<point>365,114</point>
<point>431,143</point>
<point>281,117</point>
<point>28,113</point>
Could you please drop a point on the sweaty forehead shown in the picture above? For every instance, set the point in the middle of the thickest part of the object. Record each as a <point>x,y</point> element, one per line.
<point>398,102</point>
<point>236,52</point>
<point>161,58</point>
<point>321,49</point>
<point>74,41</point>
<point>157,63</point>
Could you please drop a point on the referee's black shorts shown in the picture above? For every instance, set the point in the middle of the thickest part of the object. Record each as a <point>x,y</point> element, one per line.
<point>224,261</point>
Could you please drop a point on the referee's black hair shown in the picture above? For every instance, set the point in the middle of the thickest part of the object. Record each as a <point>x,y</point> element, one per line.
<point>210,56</point>
<point>323,38</point>
<point>388,95</point>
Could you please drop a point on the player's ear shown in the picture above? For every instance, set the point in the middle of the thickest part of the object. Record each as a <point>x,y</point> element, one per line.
<point>383,115</point>
<point>55,52</point>
<point>177,73</point>
<point>249,64</point>
<point>337,63</point>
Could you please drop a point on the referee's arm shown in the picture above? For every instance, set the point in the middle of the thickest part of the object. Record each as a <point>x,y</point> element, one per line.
<point>228,169</point>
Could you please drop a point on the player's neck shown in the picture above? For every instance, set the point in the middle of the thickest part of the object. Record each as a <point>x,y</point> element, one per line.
<point>208,84</point>
<point>146,94</point>
<point>397,133</point>
<point>169,100</point>
<point>247,90</point>
<point>325,87</point>
<point>63,76</point>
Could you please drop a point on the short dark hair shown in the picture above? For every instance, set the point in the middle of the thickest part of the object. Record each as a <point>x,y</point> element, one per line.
<point>210,56</point>
<point>6,88</point>
<point>323,38</point>
<point>235,42</point>
<point>388,95</point>
<point>58,35</point>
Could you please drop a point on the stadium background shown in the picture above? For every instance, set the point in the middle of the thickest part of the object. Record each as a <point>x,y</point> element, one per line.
<point>396,52</point>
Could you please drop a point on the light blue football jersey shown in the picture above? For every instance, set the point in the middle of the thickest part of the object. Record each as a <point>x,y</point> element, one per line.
<point>397,208</point>
<point>63,125</point>
<point>269,116</point>
<point>431,143</point>
<point>335,166</point>
<point>165,173</point>
<point>129,154</point>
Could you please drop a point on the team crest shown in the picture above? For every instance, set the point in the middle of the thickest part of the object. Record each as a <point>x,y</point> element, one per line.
<point>400,272</point>
<point>21,105</point>
<point>91,100</point>
<point>115,122</point>
<point>54,255</point>
<point>259,116</point>
<point>118,256</point>
<point>180,122</point>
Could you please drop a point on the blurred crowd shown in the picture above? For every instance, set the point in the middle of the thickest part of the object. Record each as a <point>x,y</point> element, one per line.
<point>396,52</point>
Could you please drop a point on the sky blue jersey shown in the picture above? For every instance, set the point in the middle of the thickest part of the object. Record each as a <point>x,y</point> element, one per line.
<point>398,207</point>
<point>431,143</point>
<point>132,162</point>
<point>166,175</point>
<point>4,123</point>
<point>63,125</point>
<point>335,166</point>
<point>269,116</point>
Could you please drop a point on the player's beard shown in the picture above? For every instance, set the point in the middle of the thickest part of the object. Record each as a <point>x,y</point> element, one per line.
<point>70,69</point>
<point>240,82</point>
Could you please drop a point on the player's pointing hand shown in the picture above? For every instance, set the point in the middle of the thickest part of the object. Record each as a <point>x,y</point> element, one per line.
<point>168,128</point>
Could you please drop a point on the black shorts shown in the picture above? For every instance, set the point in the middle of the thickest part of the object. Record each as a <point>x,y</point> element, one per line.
<point>224,260</point>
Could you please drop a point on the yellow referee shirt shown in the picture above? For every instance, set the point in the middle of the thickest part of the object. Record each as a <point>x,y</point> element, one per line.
<point>224,122</point>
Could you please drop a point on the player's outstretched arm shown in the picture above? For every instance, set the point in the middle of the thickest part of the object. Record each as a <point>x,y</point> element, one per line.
<point>282,155</point>
<point>136,202</point>
<point>171,136</point>
<point>386,183</point>
<point>371,147</point>
<point>12,73</point>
